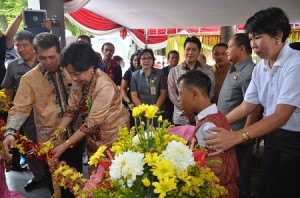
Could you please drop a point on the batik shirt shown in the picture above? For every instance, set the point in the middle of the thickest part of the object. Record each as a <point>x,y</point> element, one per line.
<point>47,94</point>
<point>175,73</point>
<point>101,103</point>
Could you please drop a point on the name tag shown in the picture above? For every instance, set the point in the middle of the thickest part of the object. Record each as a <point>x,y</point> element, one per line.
<point>152,90</point>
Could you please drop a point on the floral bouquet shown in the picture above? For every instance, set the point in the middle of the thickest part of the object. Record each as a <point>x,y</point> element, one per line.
<point>146,162</point>
<point>150,162</point>
<point>5,105</point>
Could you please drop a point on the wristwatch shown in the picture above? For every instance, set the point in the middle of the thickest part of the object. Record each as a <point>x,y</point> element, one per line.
<point>10,131</point>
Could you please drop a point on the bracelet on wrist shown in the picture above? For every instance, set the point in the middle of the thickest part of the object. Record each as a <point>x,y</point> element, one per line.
<point>70,144</point>
<point>245,135</point>
<point>9,133</point>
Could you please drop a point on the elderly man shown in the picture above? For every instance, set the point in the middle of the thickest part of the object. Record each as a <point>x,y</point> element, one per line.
<point>44,89</point>
<point>15,70</point>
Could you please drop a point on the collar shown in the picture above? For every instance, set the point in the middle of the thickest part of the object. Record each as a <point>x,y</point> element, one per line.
<point>184,65</point>
<point>153,71</point>
<point>239,66</point>
<point>46,72</point>
<point>113,63</point>
<point>212,109</point>
<point>283,56</point>
<point>21,61</point>
<point>217,69</point>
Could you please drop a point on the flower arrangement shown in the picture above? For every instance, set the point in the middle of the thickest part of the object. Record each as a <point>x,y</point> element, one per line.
<point>149,162</point>
<point>5,105</point>
<point>5,102</point>
<point>2,130</point>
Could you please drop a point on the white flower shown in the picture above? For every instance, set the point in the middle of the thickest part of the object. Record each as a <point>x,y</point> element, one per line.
<point>136,139</point>
<point>179,154</point>
<point>127,166</point>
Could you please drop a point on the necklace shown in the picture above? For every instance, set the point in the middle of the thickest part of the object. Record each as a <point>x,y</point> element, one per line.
<point>86,100</point>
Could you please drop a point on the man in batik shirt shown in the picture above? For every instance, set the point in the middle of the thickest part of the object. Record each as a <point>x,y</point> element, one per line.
<point>44,89</point>
<point>192,48</point>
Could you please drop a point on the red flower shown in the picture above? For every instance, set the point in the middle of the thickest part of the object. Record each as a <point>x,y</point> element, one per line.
<point>200,157</point>
<point>84,108</point>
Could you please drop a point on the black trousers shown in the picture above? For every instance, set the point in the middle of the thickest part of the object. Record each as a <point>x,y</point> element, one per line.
<point>279,173</point>
<point>244,154</point>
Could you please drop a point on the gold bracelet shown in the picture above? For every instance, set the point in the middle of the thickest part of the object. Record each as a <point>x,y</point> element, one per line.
<point>245,135</point>
<point>70,144</point>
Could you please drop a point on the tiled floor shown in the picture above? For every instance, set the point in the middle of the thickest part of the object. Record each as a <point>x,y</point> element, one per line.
<point>17,180</point>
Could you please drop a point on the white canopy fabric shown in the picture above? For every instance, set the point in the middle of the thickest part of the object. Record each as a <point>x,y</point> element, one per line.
<point>134,16</point>
<point>139,14</point>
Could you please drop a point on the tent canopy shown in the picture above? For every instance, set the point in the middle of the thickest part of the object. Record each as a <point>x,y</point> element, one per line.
<point>134,16</point>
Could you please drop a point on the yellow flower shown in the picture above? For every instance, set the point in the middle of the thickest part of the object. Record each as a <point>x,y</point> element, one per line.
<point>76,175</point>
<point>163,186</point>
<point>152,82</point>
<point>164,169</point>
<point>151,111</point>
<point>152,158</point>
<point>136,111</point>
<point>67,172</point>
<point>76,189</point>
<point>146,182</point>
<point>160,119</point>
<point>94,160</point>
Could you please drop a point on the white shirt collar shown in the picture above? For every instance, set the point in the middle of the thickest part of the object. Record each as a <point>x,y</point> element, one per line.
<point>212,109</point>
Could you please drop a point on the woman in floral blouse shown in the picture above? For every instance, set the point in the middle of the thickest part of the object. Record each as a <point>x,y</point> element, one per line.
<point>93,95</point>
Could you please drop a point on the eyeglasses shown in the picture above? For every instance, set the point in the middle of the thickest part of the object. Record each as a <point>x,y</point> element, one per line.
<point>146,58</point>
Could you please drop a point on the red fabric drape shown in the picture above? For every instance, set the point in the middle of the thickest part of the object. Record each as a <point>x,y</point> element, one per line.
<point>93,21</point>
<point>140,34</point>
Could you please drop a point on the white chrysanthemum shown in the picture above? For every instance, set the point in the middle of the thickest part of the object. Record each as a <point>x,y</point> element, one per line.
<point>127,166</point>
<point>179,154</point>
<point>136,139</point>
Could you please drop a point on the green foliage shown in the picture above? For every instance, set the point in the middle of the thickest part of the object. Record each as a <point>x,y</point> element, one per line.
<point>76,31</point>
<point>10,9</point>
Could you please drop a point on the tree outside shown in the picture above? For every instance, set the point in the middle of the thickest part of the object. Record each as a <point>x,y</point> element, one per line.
<point>9,9</point>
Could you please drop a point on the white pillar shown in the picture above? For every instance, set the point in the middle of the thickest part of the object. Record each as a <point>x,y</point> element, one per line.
<point>34,4</point>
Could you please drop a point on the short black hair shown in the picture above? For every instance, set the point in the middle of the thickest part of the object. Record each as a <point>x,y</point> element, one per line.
<point>193,39</point>
<point>46,40</point>
<point>81,56</point>
<point>242,39</point>
<point>220,45</point>
<point>24,35</point>
<point>196,78</point>
<point>85,37</point>
<point>132,57</point>
<point>109,44</point>
<point>117,58</point>
<point>269,21</point>
<point>172,52</point>
<point>295,45</point>
<point>142,52</point>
